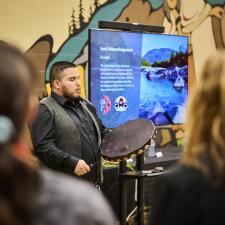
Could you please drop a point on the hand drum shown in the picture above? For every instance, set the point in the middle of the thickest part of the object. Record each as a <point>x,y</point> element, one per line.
<point>127,140</point>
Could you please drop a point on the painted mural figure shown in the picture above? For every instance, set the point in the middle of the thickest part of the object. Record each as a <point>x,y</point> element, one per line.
<point>182,18</point>
<point>172,21</point>
<point>197,21</point>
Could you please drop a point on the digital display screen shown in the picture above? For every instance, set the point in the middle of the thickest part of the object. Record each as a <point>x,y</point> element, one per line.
<point>138,75</point>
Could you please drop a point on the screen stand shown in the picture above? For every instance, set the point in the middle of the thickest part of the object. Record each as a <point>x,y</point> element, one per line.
<point>122,193</point>
<point>140,191</point>
<point>123,176</point>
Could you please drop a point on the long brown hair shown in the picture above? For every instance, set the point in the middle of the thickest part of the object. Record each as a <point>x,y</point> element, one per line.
<point>18,182</point>
<point>205,128</point>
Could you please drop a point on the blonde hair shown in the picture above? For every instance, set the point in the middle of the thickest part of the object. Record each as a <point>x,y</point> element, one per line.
<point>205,129</point>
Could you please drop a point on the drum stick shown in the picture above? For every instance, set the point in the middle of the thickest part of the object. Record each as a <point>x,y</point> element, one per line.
<point>91,165</point>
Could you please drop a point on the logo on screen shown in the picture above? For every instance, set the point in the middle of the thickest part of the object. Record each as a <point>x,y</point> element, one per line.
<point>121,104</point>
<point>105,104</point>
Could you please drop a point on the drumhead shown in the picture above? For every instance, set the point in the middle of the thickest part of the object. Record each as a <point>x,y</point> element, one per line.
<point>127,140</point>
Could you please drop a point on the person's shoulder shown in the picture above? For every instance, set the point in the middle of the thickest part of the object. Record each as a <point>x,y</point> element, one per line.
<point>43,115</point>
<point>190,173</point>
<point>47,100</point>
<point>43,110</point>
<point>44,99</point>
<point>73,200</point>
<point>47,106</point>
<point>86,101</point>
<point>65,185</point>
<point>182,177</point>
<point>63,182</point>
<point>89,104</point>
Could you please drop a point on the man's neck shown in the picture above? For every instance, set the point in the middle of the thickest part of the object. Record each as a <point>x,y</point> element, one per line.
<point>57,92</point>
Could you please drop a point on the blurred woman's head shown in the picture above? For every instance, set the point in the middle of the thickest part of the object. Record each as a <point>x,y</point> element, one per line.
<point>18,182</point>
<point>205,130</point>
<point>15,85</point>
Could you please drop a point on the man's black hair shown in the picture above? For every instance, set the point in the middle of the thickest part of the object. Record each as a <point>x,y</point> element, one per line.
<point>57,68</point>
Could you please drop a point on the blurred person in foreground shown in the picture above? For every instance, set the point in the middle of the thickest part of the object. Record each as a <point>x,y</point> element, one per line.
<point>194,192</point>
<point>29,196</point>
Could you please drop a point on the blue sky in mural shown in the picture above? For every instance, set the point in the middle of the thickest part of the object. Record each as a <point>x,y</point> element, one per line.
<point>215,2</point>
<point>156,3</point>
<point>72,47</point>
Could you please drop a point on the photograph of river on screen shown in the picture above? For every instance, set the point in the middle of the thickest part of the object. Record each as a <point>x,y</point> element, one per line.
<point>163,94</point>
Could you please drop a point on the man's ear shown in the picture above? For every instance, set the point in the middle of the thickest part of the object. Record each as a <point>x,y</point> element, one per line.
<point>56,84</point>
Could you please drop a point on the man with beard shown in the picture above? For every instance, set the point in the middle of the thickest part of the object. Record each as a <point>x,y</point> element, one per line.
<point>67,132</point>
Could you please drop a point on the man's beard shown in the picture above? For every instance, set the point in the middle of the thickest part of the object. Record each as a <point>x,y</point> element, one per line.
<point>70,96</point>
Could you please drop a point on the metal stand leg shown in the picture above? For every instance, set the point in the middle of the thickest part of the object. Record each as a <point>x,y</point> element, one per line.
<point>140,191</point>
<point>122,194</point>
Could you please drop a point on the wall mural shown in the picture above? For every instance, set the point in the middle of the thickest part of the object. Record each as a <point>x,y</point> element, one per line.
<point>202,20</point>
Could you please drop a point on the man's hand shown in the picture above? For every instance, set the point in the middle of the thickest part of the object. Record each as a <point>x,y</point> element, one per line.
<point>81,168</point>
